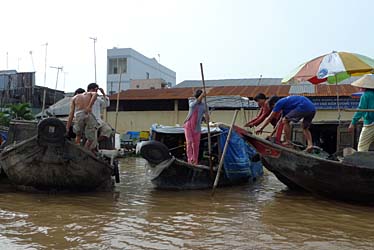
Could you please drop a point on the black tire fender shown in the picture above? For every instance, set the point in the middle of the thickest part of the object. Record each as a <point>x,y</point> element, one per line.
<point>51,130</point>
<point>154,152</point>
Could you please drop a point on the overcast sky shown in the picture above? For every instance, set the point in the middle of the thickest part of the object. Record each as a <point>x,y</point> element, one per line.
<point>233,39</point>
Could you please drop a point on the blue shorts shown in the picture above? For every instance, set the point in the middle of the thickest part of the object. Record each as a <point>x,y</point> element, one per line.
<point>295,116</point>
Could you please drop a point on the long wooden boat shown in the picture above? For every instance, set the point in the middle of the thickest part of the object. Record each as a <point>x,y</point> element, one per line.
<point>168,169</point>
<point>349,179</point>
<point>50,161</point>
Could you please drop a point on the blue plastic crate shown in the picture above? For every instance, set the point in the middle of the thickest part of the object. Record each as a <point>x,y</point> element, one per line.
<point>134,134</point>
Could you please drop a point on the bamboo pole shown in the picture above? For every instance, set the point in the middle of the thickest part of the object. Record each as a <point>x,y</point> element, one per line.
<point>207,121</point>
<point>224,153</point>
<point>337,99</point>
<point>117,105</point>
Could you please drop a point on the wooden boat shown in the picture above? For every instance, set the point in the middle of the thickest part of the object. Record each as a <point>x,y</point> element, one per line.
<point>349,179</point>
<point>168,169</point>
<point>49,161</point>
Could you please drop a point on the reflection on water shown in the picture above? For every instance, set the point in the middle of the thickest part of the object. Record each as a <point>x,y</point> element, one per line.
<point>136,216</point>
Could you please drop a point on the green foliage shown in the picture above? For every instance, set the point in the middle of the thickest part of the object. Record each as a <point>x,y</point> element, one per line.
<point>4,119</point>
<point>19,111</point>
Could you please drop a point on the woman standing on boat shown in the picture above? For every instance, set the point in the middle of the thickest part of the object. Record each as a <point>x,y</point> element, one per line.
<point>366,83</point>
<point>192,125</point>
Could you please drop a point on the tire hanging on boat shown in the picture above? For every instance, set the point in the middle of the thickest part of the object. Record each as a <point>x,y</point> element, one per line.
<point>51,130</point>
<point>154,152</point>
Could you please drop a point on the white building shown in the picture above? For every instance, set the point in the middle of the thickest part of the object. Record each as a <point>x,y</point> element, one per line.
<point>134,66</point>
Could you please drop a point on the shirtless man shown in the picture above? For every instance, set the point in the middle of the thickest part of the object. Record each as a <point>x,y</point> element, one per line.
<point>81,109</point>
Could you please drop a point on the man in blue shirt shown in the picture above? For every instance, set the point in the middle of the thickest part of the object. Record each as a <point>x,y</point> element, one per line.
<point>293,108</point>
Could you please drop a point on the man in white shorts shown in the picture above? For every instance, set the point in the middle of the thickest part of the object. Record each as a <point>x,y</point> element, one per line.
<point>104,129</point>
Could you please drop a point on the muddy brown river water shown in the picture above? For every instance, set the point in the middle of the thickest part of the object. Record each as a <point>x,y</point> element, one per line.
<point>135,216</point>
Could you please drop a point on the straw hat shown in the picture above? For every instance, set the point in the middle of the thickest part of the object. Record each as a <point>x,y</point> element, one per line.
<point>367,82</point>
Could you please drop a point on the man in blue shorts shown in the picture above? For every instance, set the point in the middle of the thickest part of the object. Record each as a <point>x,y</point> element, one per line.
<point>293,108</point>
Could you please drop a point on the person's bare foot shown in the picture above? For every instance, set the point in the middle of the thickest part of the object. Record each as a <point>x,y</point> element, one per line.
<point>287,144</point>
<point>309,149</point>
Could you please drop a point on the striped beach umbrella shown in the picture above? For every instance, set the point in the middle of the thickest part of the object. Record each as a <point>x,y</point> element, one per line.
<point>332,68</point>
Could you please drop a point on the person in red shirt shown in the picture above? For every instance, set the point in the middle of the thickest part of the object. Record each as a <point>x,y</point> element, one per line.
<point>265,111</point>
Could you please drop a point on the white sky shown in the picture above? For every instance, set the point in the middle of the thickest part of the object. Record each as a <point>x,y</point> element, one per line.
<point>233,39</point>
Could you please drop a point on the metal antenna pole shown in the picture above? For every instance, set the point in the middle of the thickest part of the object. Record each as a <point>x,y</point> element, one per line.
<point>65,73</point>
<point>58,71</point>
<point>159,63</point>
<point>32,61</point>
<point>19,59</point>
<point>259,80</point>
<point>7,65</point>
<point>45,63</point>
<point>94,40</point>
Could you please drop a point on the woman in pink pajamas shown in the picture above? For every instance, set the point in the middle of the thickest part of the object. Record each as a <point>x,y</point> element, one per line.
<point>192,126</point>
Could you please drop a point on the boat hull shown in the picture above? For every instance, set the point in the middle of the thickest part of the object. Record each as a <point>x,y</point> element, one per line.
<point>176,174</point>
<point>55,166</point>
<point>334,179</point>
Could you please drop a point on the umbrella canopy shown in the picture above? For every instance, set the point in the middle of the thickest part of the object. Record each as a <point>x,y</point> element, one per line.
<point>332,68</point>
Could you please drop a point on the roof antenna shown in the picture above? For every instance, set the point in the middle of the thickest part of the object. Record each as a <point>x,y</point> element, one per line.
<point>32,60</point>
<point>259,80</point>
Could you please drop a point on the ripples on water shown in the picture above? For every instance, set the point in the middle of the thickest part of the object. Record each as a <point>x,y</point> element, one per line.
<point>135,216</point>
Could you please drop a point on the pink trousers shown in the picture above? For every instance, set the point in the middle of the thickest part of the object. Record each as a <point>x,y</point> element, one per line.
<point>193,143</point>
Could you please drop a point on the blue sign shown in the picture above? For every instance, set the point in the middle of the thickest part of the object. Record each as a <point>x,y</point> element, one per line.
<point>331,102</point>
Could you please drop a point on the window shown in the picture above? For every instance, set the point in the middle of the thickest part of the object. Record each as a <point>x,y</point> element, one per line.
<point>147,75</point>
<point>115,64</point>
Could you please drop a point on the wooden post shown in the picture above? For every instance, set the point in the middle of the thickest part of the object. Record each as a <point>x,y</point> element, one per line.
<point>176,112</point>
<point>207,121</point>
<point>224,153</point>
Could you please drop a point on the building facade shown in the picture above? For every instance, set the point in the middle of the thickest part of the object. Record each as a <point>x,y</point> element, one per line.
<point>138,109</point>
<point>19,87</point>
<point>134,66</point>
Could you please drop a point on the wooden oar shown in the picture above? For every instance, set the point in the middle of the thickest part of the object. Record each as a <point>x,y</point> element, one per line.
<point>207,122</point>
<point>224,153</point>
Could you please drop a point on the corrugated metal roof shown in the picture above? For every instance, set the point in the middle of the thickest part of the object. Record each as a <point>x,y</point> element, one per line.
<point>60,108</point>
<point>302,89</point>
<point>246,91</point>
<point>245,82</point>
<point>230,102</point>
<point>154,94</point>
<point>330,90</point>
<point>230,82</point>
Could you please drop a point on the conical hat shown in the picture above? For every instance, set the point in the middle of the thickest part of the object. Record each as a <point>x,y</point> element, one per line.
<point>367,81</point>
